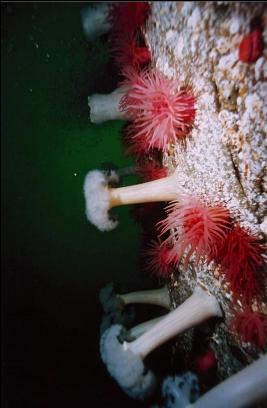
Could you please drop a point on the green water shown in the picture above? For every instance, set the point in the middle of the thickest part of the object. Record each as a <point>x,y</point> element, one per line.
<point>54,262</point>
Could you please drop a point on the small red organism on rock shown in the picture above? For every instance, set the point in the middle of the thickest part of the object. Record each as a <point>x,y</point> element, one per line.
<point>250,48</point>
<point>206,362</point>
<point>250,327</point>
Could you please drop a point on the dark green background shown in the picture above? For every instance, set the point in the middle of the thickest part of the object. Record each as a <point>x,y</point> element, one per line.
<point>53,261</point>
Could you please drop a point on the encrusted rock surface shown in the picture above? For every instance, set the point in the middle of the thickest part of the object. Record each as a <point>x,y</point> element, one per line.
<point>224,160</point>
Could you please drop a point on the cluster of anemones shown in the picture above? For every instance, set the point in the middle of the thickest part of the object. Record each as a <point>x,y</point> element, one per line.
<point>123,23</point>
<point>161,112</point>
<point>206,232</point>
<point>191,229</point>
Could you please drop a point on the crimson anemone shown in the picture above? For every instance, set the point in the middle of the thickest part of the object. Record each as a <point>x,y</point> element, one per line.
<point>127,51</point>
<point>160,110</point>
<point>250,327</point>
<point>136,146</point>
<point>127,17</point>
<point>197,229</point>
<point>159,259</point>
<point>241,257</point>
<point>150,170</point>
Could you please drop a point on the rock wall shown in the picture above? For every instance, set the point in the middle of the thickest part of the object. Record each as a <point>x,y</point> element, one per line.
<point>224,160</point>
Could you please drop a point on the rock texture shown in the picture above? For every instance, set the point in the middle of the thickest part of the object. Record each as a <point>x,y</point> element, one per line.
<point>224,159</point>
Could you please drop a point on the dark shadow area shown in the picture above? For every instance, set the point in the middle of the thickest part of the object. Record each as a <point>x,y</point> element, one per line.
<point>53,261</point>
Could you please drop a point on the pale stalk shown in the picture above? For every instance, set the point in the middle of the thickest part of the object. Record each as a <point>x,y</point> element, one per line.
<point>107,107</point>
<point>141,328</point>
<point>126,171</point>
<point>164,189</point>
<point>158,297</point>
<point>244,389</point>
<point>199,307</point>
